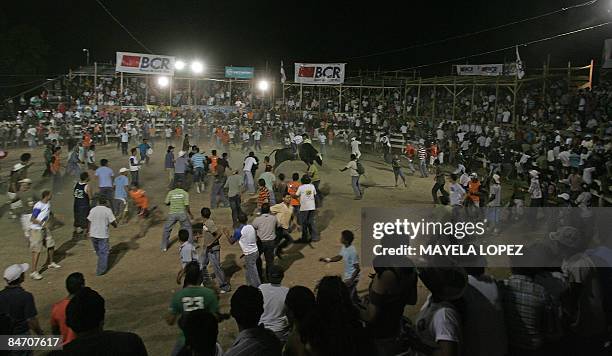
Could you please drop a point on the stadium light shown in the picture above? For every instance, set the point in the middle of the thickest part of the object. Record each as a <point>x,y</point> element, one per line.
<point>263,85</point>
<point>179,65</point>
<point>197,67</point>
<point>163,82</point>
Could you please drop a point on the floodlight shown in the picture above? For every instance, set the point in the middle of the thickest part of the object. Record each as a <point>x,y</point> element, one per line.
<point>179,65</point>
<point>263,85</point>
<point>197,67</point>
<point>163,82</point>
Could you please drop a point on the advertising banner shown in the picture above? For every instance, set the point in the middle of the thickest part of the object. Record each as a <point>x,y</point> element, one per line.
<point>239,72</point>
<point>319,73</point>
<point>480,69</point>
<point>140,63</point>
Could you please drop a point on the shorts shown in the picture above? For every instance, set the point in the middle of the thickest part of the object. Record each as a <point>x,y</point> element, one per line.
<point>25,224</point>
<point>36,240</point>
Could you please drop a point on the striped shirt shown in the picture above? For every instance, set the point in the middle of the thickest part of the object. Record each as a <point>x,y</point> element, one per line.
<point>525,302</point>
<point>198,160</point>
<point>263,196</point>
<point>422,153</point>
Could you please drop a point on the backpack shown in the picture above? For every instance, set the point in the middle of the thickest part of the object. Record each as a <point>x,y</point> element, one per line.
<point>360,168</point>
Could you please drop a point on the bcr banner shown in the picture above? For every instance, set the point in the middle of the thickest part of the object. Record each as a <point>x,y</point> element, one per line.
<point>319,73</point>
<point>480,69</point>
<point>140,63</point>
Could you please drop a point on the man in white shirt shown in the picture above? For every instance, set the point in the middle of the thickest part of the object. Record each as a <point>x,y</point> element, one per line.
<point>352,167</point>
<point>41,212</point>
<point>248,174</point>
<point>306,194</point>
<point>274,317</point>
<point>246,237</point>
<point>125,138</point>
<point>322,139</point>
<point>99,218</point>
<point>257,138</point>
<point>355,147</point>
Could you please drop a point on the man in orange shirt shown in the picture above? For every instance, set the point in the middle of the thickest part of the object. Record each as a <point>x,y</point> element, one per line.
<point>474,189</point>
<point>55,169</point>
<point>292,188</point>
<point>140,199</point>
<point>74,283</point>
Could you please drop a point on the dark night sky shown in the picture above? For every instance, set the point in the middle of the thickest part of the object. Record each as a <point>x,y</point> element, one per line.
<point>225,32</point>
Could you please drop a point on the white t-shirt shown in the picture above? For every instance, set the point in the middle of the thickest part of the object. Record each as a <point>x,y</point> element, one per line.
<point>248,239</point>
<point>248,163</point>
<point>442,322</point>
<point>274,317</point>
<point>125,137</point>
<point>307,193</point>
<point>41,212</point>
<point>355,146</point>
<point>134,167</point>
<point>100,217</point>
<point>257,135</point>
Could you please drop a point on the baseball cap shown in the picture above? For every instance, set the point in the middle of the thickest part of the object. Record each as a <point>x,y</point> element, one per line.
<point>564,196</point>
<point>121,170</point>
<point>567,236</point>
<point>276,274</point>
<point>496,178</point>
<point>13,272</point>
<point>181,153</point>
<point>170,147</point>
<point>25,180</point>
<point>474,175</point>
<point>534,173</point>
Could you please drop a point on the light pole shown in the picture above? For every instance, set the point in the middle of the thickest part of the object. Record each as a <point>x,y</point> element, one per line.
<point>86,53</point>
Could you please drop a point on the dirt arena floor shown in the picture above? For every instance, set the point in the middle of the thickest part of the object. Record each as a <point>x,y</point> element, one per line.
<point>141,280</point>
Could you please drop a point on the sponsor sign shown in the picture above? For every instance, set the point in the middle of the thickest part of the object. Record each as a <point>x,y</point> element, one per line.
<point>480,69</point>
<point>239,72</point>
<point>140,63</point>
<point>319,73</point>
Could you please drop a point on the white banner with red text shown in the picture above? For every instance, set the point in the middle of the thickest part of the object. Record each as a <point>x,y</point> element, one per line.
<point>140,63</point>
<point>319,73</point>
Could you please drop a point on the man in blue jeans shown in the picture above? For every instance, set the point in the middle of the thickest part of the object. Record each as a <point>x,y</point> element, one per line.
<point>212,251</point>
<point>178,201</point>
<point>235,185</point>
<point>352,167</point>
<point>98,220</point>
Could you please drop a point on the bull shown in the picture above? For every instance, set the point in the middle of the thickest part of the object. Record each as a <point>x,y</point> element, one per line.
<point>306,152</point>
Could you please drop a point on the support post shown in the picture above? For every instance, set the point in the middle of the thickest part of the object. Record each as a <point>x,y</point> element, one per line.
<point>301,104</point>
<point>340,99</point>
<point>472,101</point>
<point>418,98</point>
<point>454,97</point>
<point>121,83</point>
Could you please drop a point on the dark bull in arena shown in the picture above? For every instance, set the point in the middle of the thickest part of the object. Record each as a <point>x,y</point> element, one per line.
<point>306,152</point>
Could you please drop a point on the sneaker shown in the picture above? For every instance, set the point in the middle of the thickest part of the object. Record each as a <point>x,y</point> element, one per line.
<point>197,188</point>
<point>164,249</point>
<point>35,275</point>
<point>54,265</point>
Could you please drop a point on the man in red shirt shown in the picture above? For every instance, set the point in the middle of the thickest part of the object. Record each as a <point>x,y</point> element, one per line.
<point>74,283</point>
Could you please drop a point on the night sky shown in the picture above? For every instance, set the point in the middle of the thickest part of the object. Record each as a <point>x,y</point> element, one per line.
<point>225,32</point>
